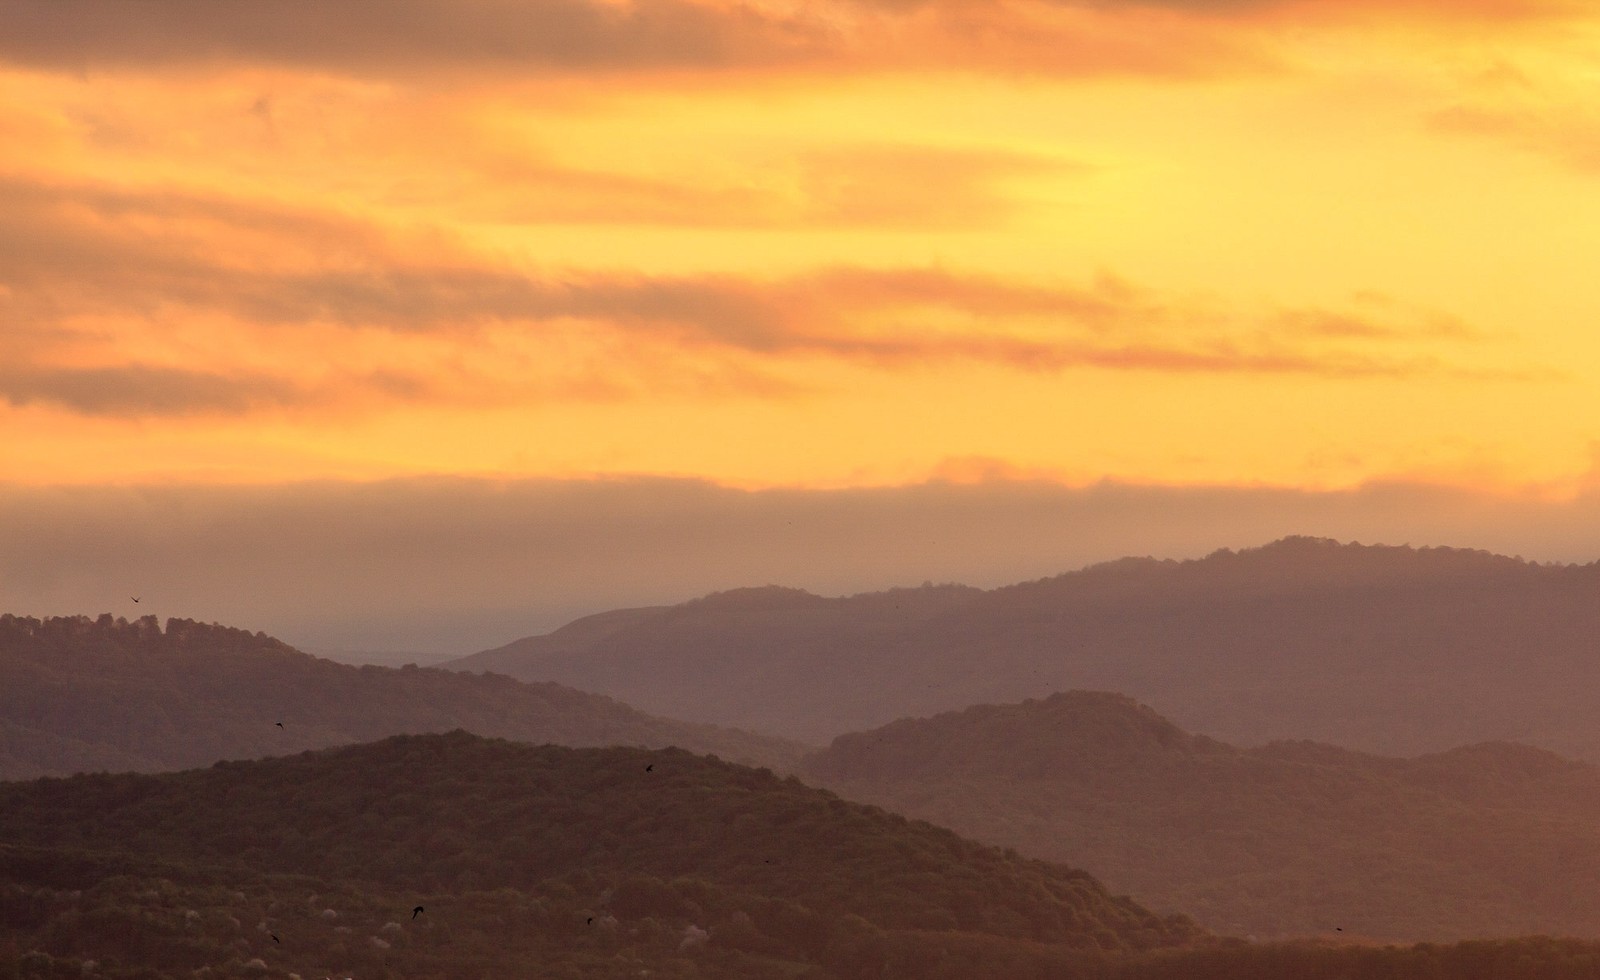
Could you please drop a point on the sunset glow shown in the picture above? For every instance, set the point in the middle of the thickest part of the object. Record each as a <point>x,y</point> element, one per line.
<point>853,243</point>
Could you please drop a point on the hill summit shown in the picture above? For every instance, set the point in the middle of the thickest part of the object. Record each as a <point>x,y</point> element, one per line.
<point>80,694</point>
<point>1290,838</point>
<point>1066,735</point>
<point>1387,649</point>
<point>665,835</point>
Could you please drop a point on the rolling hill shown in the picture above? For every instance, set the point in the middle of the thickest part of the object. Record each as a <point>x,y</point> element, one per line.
<point>438,857</point>
<point>82,695</point>
<point>543,850</point>
<point>1385,649</point>
<point>1291,838</point>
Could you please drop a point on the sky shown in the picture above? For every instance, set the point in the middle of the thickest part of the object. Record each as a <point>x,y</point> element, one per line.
<point>428,324</point>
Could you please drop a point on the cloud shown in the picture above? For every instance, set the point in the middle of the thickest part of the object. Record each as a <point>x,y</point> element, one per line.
<point>500,38</point>
<point>136,390</point>
<point>1433,9</point>
<point>857,186</point>
<point>404,36</point>
<point>1538,102</point>
<point>140,390</point>
<point>77,247</point>
<point>455,565</point>
<point>166,304</point>
<point>1419,323</point>
<point>413,39</point>
<point>1568,134</point>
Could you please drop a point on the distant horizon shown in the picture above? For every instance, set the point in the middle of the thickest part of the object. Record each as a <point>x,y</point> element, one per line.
<point>400,338</point>
<point>427,337</point>
<point>435,569</point>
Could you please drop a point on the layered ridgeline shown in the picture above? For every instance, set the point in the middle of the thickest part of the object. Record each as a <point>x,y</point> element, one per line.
<point>604,862</point>
<point>1386,649</point>
<point>438,857</point>
<point>81,695</point>
<point>1292,838</point>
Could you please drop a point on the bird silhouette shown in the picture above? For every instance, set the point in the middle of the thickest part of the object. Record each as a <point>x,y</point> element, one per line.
<point>134,598</point>
<point>650,768</point>
<point>278,723</point>
<point>276,939</point>
<point>416,911</point>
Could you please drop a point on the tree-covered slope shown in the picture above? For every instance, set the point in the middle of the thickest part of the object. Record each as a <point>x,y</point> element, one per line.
<point>678,848</point>
<point>461,811</point>
<point>1291,838</point>
<point>1387,649</point>
<point>86,695</point>
<point>451,857</point>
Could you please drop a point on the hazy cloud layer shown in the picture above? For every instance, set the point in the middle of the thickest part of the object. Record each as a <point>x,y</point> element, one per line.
<point>501,37</point>
<point>1435,9</point>
<point>870,186</point>
<point>402,36</point>
<point>144,391</point>
<point>141,390</point>
<point>456,565</point>
<point>1566,133</point>
<point>411,37</point>
<point>95,279</point>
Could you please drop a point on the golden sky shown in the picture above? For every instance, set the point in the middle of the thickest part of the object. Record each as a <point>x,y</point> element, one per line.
<point>823,244</point>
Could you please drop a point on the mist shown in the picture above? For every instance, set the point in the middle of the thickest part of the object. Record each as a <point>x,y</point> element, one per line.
<point>446,566</point>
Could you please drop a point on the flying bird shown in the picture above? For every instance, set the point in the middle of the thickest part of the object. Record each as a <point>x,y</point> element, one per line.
<point>416,911</point>
<point>134,598</point>
<point>650,768</point>
<point>278,723</point>
<point>276,939</point>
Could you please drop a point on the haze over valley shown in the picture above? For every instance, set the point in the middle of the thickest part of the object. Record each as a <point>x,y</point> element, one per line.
<point>1395,650</point>
<point>826,490</point>
<point>109,695</point>
<point>1292,838</point>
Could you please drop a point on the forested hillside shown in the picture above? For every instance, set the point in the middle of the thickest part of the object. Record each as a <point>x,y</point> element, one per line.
<point>81,695</point>
<point>663,850</point>
<point>1292,838</point>
<point>445,857</point>
<point>1386,649</point>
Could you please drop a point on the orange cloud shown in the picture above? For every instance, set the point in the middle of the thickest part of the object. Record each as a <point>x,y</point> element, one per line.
<point>1567,134</point>
<point>502,37</point>
<point>413,38</point>
<point>360,565</point>
<point>883,186</point>
<point>166,304</point>
<point>139,390</point>
<point>1442,10</point>
<point>406,36</point>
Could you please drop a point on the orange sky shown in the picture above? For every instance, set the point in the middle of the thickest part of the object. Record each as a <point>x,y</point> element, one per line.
<point>826,244</point>
<point>430,327</point>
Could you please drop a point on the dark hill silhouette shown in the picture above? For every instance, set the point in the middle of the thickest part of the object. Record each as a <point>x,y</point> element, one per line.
<point>1385,649</point>
<point>1291,838</point>
<point>456,811</point>
<point>84,695</point>
<point>605,863</point>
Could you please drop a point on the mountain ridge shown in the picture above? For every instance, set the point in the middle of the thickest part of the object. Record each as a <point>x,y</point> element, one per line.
<point>1283,839</point>
<point>107,693</point>
<point>461,811</point>
<point>1388,649</point>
